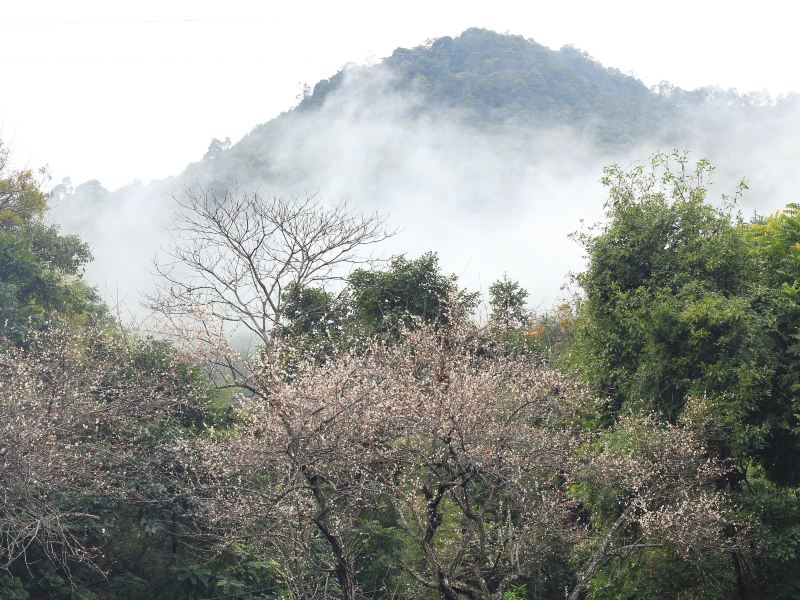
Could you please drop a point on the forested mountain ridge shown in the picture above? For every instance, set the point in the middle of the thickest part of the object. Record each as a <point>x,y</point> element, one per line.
<point>498,79</point>
<point>490,82</point>
<point>497,84</point>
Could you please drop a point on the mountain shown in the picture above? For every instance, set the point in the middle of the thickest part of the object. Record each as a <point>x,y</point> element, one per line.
<point>497,79</point>
<point>485,147</point>
<point>497,84</point>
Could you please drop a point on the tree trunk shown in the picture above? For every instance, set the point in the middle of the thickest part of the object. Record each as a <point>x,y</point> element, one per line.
<point>174,532</point>
<point>579,592</point>
<point>741,587</point>
<point>344,570</point>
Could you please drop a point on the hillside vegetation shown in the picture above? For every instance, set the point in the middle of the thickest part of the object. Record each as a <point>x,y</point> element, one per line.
<point>495,80</point>
<point>302,420</point>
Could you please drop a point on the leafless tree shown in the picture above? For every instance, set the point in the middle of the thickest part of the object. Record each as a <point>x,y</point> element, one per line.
<point>233,258</point>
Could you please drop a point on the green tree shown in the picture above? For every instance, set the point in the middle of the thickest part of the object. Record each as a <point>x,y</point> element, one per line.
<point>664,312</point>
<point>507,299</point>
<point>776,247</point>
<point>309,311</point>
<point>682,298</point>
<point>317,323</point>
<point>40,269</point>
<point>384,301</point>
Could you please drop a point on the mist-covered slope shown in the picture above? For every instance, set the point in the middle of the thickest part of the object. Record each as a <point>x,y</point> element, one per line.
<point>496,80</point>
<point>486,148</point>
<point>493,83</point>
<point>501,87</point>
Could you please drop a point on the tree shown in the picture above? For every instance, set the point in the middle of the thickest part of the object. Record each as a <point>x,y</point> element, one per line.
<point>21,197</point>
<point>664,314</point>
<point>239,257</point>
<point>318,322</point>
<point>216,148</point>
<point>91,191</point>
<point>377,301</point>
<point>40,269</point>
<point>480,443</point>
<point>91,478</point>
<point>474,460</point>
<point>80,427</point>
<point>448,439</point>
<point>683,299</point>
<point>507,299</point>
<point>384,301</point>
<point>294,477</point>
<point>652,489</point>
<point>775,244</point>
<point>63,191</point>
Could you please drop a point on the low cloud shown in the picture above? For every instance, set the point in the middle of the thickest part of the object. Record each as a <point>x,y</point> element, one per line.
<point>489,203</point>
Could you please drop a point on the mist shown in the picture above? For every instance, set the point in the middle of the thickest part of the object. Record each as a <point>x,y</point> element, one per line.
<point>491,203</point>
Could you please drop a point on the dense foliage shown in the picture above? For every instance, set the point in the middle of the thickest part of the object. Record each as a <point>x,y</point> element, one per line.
<point>684,299</point>
<point>372,440</point>
<point>495,80</point>
<point>39,267</point>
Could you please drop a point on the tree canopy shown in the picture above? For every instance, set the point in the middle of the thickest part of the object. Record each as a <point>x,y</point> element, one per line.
<point>40,268</point>
<point>371,438</point>
<point>683,299</point>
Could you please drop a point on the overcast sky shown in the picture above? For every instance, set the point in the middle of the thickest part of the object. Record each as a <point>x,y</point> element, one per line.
<point>123,90</point>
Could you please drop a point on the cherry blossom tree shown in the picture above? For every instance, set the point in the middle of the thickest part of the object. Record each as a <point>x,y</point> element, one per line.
<point>481,442</point>
<point>80,423</point>
<point>664,489</point>
<point>423,424</point>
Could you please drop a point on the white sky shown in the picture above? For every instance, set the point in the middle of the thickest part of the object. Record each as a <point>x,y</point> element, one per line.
<point>117,90</point>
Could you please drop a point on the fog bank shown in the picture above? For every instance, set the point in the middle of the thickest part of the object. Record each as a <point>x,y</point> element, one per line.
<point>489,202</point>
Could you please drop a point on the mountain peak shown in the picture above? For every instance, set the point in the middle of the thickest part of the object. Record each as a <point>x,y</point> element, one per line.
<point>497,79</point>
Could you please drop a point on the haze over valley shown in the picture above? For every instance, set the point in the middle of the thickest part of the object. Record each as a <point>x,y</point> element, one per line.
<point>477,147</point>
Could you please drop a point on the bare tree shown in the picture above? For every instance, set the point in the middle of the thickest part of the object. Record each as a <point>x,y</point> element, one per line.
<point>234,258</point>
